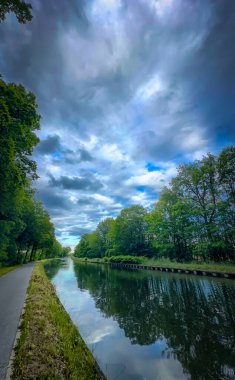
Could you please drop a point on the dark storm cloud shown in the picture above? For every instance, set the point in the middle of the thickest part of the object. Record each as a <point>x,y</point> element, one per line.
<point>76,183</point>
<point>78,231</point>
<point>53,201</point>
<point>85,201</point>
<point>84,155</point>
<point>80,155</point>
<point>206,74</point>
<point>120,84</point>
<point>50,145</point>
<point>209,76</point>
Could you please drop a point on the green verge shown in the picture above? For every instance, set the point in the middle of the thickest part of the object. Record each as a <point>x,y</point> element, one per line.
<point>166,263</point>
<point>6,270</point>
<point>50,346</point>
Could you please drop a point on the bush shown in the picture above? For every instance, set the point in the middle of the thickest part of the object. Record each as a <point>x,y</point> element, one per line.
<point>126,259</point>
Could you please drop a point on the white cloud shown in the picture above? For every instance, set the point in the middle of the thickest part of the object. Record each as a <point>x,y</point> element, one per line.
<point>161,6</point>
<point>155,179</point>
<point>149,89</point>
<point>112,153</point>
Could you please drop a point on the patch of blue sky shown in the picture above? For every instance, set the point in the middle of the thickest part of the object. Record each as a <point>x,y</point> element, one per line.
<point>56,155</point>
<point>222,140</point>
<point>152,168</point>
<point>140,188</point>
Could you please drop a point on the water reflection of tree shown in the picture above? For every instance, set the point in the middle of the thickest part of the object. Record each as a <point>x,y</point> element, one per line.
<point>196,316</point>
<point>52,267</point>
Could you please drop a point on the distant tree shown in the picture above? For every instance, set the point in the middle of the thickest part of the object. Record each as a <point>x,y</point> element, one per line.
<point>226,167</point>
<point>103,236</point>
<point>21,9</point>
<point>170,226</point>
<point>83,249</point>
<point>199,184</point>
<point>129,232</point>
<point>65,251</point>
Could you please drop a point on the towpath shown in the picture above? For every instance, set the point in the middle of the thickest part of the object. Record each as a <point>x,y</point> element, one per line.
<point>13,288</point>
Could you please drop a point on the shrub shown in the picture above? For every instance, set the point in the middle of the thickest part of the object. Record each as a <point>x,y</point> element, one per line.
<point>126,259</point>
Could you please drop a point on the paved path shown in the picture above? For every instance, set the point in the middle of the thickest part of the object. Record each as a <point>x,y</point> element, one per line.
<point>13,287</point>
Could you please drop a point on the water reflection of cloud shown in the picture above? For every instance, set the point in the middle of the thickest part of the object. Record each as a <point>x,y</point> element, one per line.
<point>134,362</point>
<point>102,331</point>
<point>162,369</point>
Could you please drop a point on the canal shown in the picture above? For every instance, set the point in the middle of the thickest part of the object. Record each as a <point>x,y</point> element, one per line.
<point>147,325</point>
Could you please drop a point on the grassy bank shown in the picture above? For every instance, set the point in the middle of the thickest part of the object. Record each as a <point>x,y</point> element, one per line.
<point>50,346</point>
<point>166,263</point>
<point>6,270</point>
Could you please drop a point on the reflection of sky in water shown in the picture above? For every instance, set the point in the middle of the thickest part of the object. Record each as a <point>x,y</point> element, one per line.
<point>118,358</point>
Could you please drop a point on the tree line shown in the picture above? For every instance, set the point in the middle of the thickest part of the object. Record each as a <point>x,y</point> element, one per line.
<point>26,231</point>
<point>194,218</point>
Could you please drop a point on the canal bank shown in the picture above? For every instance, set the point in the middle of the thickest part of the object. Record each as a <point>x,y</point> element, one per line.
<point>181,270</point>
<point>50,346</point>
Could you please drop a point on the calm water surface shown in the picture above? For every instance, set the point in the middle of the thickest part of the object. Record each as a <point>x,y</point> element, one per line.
<point>150,325</point>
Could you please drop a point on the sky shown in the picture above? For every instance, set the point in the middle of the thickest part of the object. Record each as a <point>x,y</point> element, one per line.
<point>127,91</point>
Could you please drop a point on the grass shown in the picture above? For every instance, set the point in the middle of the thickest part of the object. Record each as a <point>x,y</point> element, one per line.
<point>6,270</point>
<point>194,265</point>
<point>166,263</point>
<point>50,346</point>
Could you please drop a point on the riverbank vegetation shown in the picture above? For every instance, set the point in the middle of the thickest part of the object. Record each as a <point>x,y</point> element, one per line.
<point>26,231</point>
<point>225,267</point>
<point>50,346</point>
<point>194,218</point>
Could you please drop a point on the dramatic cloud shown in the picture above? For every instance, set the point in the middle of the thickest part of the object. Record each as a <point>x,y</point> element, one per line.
<point>50,145</point>
<point>127,90</point>
<point>76,183</point>
<point>53,201</point>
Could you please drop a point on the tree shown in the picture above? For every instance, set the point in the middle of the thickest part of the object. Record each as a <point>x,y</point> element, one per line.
<point>129,232</point>
<point>82,249</point>
<point>21,9</point>
<point>18,119</point>
<point>26,230</point>
<point>199,184</point>
<point>226,168</point>
<point>103,236</point>
<point>170,226</point>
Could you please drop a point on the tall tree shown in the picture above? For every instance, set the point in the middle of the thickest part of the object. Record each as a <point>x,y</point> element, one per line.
<point>198,183</point>
<point>129,232</point>
<point>103,236</point>
<point>19,120</point>
<point>170,226</point>
<point>21,9</point>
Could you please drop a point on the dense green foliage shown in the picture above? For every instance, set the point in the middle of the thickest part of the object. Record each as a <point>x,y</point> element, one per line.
<point>194,218</point>
<point>126,259</point>
<point>26,232</point>
<point>21,9</point>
